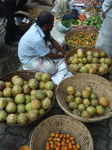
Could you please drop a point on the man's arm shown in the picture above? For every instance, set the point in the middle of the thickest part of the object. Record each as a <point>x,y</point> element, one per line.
<point>43,50</point>
<point>57,46</point>
<point>54,55</point>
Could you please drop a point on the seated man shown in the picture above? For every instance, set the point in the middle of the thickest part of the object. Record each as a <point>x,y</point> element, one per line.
<point>33,50</point>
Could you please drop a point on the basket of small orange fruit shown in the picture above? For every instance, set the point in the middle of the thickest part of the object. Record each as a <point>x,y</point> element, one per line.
<point>81,36</point>
<point>61,132</point>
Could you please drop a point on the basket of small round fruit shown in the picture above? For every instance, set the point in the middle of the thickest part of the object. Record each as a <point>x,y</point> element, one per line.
<point>85,97</point>
<point>61,132</point>
<point>88,60</point>
<point>25,97</point>
<point>81,36</point>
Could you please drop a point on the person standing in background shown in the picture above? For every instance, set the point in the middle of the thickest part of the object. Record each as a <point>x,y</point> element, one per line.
<point>9,8</point>
<point>104,41</point>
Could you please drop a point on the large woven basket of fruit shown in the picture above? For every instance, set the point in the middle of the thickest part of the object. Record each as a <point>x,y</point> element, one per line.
<point>85,97</point>
<point>88,60</point>
<point>25,97</point>
<point>61,132</point>
<point>81,36</point>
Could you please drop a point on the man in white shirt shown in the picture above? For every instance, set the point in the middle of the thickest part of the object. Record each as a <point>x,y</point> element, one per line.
<point>104,41</point>
<point>33,50</point>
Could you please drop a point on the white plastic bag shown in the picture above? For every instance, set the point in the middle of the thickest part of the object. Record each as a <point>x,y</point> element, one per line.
<point>62,28</point>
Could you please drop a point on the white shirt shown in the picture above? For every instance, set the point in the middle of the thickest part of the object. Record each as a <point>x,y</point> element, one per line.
<point>107,7</point>
<point>32,45</point>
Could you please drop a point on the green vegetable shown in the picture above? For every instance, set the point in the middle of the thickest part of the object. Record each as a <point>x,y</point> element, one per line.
<point>94,21</point>
<point>66,23</point>
<point>74,22</point>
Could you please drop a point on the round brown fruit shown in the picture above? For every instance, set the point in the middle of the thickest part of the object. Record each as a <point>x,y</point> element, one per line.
<point>94,102</point>
<point>76,112</point>
<point>78,100</point>
<point>85,114</point>
<point>78,93</point>
<point>81,107</point>
<point>100,110</point>
<point>72,105</point>
<point>69,98</point>
<point>87,102</point>
<point>104,101</point>
<point>88,88</point>
<point>91,110</point>
<point>70,90</point>
<point>86,94</point>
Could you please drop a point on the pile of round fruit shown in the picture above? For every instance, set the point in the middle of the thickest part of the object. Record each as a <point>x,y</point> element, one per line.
<point>59,141</point>
<point>22,101</point>
<point>85,103</point>
<point>82,40</point>
<point>89,62</point>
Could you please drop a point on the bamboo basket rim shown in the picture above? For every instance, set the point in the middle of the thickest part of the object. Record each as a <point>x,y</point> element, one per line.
<point>57,117</point>
<point>4,77</point>
<point>81,28</point>
<point>68,54</point>
<point>78,76</point>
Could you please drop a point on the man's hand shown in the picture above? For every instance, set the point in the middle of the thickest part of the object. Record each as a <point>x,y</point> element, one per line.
<point>57,46</point>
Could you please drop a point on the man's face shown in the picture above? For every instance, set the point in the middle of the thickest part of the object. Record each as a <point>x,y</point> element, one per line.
<point>48,29</point>
<point>50,26</point>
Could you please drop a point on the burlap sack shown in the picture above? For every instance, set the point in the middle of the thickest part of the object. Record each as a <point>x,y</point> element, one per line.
<point>47,2</point>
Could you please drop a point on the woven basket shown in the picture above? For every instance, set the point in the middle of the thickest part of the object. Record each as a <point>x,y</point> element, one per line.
<point>100,86</point>
<point>66,125</point>
<point>78,29</point>
<point>26,75</point>
<point>74,51</point>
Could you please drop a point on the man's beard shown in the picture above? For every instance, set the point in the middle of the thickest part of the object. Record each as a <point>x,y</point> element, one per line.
<point>47,35</point>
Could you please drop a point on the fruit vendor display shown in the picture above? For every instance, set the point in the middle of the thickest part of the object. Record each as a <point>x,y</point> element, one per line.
<point>89,62</point>
<point>60,141</point>
<point>23,101</point>
<point>85,103</point>
<point>94,21</point>
<point>82,39</point>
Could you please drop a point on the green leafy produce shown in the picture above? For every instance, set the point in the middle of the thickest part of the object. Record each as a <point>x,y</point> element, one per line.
<point>66,23</point>
<point>94,21</point>
<point>74,22</point>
